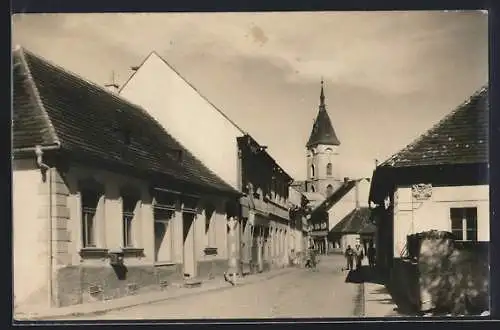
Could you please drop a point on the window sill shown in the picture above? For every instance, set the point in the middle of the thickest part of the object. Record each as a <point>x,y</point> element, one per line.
<point>164,263</point>
<point>92,252</point>
<point>133,252</point>
<point>210,251</point>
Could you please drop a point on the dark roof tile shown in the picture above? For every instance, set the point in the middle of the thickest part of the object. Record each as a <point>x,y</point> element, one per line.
<point>336,196</point>
<point>354,222</point>
<point>459,138</point>
<point>88,119</point>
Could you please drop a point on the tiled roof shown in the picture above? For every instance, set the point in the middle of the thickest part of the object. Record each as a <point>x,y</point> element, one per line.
<point>53,105</point>
<point>154,55</point>
<point>336,196</point>
<point>459,138</point>
<point>354,222</point>
<point>313,196</point>
<point>322,131</point>
<point>369,228</point>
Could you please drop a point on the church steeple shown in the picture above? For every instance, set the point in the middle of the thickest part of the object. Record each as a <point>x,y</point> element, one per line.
<point>322,131</point>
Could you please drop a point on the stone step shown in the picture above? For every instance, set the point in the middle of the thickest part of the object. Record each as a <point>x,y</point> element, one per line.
<point>192,283</point>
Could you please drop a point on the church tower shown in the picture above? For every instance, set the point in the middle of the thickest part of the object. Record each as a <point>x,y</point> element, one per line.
<point>322,154</point>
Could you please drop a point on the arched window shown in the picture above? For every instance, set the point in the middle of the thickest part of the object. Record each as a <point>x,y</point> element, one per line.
<point>328,149</point>
<point>329,190</point>
<point>329,169</point>
<point>312,171</point>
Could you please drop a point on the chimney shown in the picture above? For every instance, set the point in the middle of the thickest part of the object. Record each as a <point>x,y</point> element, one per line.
<point>113,87</point>
<point>376,163</point>
<point>346,180</point>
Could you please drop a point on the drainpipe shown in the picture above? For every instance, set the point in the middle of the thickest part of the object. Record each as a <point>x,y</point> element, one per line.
<point>44,168</point>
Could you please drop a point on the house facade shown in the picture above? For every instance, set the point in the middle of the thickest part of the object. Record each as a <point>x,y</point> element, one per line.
<point>299,233</point>
<point>263,224</point>
<point>438,183</point>
<point>105,202</point>
<point>338,221</point>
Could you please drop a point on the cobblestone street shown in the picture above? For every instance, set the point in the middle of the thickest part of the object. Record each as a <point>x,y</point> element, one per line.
<point>300,293</point>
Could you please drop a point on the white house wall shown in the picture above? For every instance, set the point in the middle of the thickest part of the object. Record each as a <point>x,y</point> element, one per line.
<point>342,208</point>
<point>30,214</point>
<point>363,192</point>
<point>187,116</point>
<point>412,216</point>
<point>294,197</point>
<point>348,203</point>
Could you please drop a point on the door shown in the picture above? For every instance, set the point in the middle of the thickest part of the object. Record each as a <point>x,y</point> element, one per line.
<point>188,244</point>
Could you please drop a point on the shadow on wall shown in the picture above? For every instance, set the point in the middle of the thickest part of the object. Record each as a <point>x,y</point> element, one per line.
<point>453,276</point>
<point>120,271</point>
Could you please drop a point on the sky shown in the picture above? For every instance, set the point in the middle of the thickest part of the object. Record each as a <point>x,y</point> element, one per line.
<point>389,76</point>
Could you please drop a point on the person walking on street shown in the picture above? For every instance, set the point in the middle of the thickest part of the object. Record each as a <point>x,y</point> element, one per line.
<point>371,255</point>
<point>349,255</point>
<point>359,254</point>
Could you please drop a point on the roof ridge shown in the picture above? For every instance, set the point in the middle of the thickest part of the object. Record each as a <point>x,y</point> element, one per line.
<point>189,84</point>
<point>21,53</point>
<point>79,76</point>
<point>342,191</point>
<point>461,106</point>
<point>135,71</point>
<point>168,64</point>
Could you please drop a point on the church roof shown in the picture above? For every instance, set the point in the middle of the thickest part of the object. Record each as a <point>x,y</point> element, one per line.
<point>322,131</point>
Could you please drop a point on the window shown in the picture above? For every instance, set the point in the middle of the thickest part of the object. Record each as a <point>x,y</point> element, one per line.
<point>128,207</point>
<point>163,234</point>
<point>312,189</point>
<point>210,226</point>
<point>329,190</point>
<point>329,169</point>
<point>328,149</point>
<point>89,200</point>
<point>164,211</point>
<point>464,223</point>
<point>312,171</point>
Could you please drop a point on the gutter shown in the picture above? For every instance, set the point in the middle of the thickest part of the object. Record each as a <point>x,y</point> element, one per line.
<point>52,146</point>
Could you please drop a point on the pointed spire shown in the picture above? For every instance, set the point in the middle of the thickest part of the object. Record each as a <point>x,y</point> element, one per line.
<point>322,96</point>
<point>322,132</point>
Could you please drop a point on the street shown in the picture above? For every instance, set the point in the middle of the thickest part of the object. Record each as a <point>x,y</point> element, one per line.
<point>300,293</point>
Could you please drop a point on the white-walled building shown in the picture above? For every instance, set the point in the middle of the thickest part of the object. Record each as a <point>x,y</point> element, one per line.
<point>225,149</point>
<point>438,182</point>
<point>189,116</point>
<point>340,218</point>
<point>95,178</point>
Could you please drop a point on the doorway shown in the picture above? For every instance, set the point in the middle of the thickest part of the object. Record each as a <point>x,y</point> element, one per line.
<point>188,247</point>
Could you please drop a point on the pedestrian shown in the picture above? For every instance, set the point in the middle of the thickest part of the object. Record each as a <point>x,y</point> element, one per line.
<point>349,255</point>
<point>371,255</point>
<point>359,255</point>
